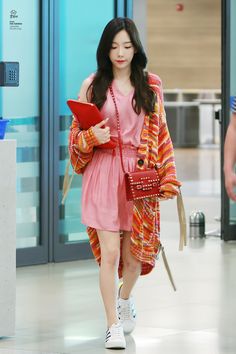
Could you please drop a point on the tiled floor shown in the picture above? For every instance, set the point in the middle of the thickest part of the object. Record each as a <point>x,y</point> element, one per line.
<point>59,309</point>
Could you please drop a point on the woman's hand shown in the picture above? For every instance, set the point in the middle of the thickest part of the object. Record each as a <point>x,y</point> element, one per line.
<point>102,134</point>
<point>230,184</point>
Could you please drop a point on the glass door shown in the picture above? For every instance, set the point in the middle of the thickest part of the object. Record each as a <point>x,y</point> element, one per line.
<point>79,30</point>
<point>228,219</point>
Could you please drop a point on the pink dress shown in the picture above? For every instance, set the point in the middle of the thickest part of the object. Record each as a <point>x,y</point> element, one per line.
<point>104,204</point>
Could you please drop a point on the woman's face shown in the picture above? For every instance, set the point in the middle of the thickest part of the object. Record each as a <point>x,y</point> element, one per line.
<point>122,51</point>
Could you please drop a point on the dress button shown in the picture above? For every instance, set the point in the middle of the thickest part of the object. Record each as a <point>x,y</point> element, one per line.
<point>140,162</point>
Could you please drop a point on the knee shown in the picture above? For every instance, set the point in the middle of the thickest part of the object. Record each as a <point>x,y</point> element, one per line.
<point>132,265</point>
<point>110,256</point>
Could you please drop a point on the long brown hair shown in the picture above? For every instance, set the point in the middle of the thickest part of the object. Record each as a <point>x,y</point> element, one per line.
<point>144,97</point>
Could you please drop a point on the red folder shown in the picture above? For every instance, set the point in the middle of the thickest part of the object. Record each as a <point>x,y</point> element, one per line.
<point>88,115</point>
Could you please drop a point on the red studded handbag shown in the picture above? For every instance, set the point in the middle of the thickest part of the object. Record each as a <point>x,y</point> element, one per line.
<point>139,184</point>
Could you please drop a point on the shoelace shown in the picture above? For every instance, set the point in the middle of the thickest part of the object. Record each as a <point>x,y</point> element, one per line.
<point>127,312</point>
<point>115,331</point>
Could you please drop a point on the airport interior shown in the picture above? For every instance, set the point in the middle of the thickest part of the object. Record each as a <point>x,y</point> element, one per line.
<point>50,301</point>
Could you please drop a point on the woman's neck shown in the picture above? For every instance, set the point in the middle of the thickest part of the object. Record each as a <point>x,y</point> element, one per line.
<point>121,75</point>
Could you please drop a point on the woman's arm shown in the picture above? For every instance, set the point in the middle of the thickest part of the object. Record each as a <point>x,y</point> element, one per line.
<point>82,142</point>
<point>85,95</point>
<point>230,158</point>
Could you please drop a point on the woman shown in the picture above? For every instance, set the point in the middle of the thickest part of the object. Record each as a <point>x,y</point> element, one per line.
<point>124,236</point>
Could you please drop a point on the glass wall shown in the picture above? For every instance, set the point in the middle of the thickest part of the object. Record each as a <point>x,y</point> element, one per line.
<point>79,32</point>
<point>19,41</point>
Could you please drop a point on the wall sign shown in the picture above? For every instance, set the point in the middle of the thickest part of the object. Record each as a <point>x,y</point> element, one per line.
<point>14,21</point>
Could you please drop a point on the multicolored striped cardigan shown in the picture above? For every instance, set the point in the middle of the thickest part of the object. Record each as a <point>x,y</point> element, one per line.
<point>233,107</point>
<point>155,149</point>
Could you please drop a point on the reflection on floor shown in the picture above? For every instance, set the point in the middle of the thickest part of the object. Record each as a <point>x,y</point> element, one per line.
<point>59,309</point>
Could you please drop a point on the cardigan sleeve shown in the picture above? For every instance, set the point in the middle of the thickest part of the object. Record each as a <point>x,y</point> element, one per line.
<point>81,144</point>
<point>233,107</point>
<point>169,185</point>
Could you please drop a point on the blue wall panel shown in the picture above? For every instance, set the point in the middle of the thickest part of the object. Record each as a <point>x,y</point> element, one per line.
<point>80,31</point>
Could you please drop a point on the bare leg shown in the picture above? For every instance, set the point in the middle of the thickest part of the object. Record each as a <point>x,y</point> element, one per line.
<point>110,254</point>
<point>131,269</point>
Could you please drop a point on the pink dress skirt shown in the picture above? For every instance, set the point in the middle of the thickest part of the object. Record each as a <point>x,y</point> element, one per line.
<point>104,204</point>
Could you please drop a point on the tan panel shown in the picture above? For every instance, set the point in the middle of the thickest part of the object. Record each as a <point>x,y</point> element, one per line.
<point>184,48</point>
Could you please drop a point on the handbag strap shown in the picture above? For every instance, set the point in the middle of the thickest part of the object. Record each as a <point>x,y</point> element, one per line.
<point>118,128</point>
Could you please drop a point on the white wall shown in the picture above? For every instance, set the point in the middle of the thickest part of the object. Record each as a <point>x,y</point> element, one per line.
<point>7,236</point>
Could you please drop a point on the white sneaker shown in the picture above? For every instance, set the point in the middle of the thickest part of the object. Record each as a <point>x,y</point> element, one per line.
<point>126,314</point>
<point>115,337</point>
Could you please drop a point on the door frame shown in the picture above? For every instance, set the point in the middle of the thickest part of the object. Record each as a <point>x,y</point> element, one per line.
<point>39,253</point>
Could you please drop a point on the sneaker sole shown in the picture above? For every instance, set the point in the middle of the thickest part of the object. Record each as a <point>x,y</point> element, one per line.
<point>115,345</point>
